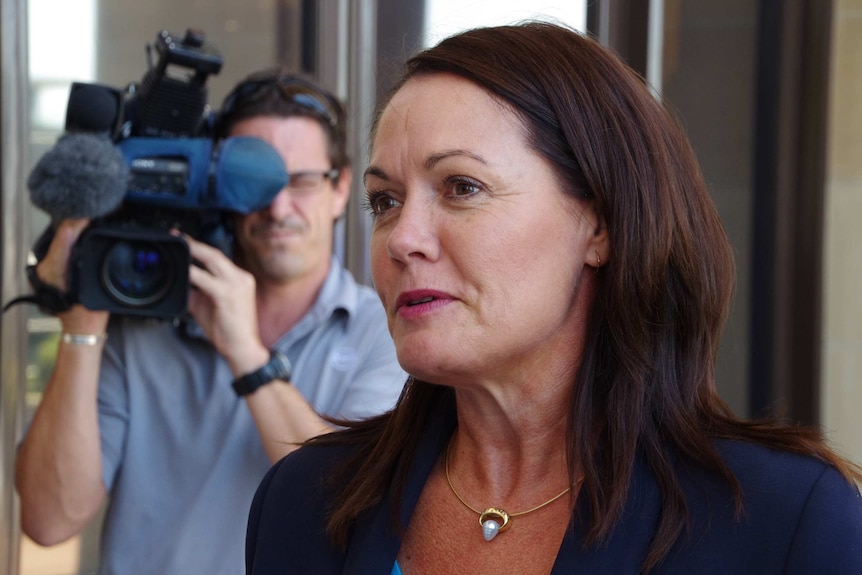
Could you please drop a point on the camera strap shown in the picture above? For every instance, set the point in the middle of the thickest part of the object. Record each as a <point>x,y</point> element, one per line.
<point>50,299</point>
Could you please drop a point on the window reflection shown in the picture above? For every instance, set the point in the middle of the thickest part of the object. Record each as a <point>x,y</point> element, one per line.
<point>61,48</point>
<point>61,45</point>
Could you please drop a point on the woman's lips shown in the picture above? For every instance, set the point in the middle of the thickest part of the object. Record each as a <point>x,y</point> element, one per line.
<point>415,303</point>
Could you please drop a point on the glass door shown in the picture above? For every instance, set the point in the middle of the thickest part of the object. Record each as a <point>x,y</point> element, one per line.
<point>106,42</point>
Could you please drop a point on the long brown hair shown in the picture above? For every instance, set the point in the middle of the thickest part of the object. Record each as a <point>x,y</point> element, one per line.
<point>646,385</point>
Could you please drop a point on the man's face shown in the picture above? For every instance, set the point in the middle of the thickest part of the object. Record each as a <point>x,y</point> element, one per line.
<point>292,237</point>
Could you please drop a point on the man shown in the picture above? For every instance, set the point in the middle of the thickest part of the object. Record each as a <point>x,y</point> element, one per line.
<point>176,424</point>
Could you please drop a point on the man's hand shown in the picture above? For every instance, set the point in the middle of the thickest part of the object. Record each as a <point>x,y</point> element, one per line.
<point>224,305</point>
<point>52,269</point>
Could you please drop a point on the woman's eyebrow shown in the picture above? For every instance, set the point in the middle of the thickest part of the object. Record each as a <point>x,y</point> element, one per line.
<point>434,159</point>
<point>376,172</point>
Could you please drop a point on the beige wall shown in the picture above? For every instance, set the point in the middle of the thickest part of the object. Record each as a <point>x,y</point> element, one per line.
<point>842,328</point>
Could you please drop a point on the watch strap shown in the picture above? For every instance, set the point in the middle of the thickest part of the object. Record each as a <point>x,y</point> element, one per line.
<point>278,367</point>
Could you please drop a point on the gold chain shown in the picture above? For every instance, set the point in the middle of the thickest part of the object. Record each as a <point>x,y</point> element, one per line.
<point>467,505</point>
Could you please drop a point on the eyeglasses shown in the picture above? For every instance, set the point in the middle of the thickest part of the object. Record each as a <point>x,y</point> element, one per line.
<point>292,88</point>
<point>307,183</point>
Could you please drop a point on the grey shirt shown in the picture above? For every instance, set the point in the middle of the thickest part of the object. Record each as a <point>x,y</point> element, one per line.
<point>180,452</point>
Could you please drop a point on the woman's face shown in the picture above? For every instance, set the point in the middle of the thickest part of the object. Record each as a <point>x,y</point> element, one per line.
<point>477,253</point>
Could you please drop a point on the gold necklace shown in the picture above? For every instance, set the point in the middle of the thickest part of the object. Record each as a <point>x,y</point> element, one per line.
<point>494,520</point>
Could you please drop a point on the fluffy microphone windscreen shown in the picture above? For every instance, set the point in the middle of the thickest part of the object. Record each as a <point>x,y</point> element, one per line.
<point>82,176</point>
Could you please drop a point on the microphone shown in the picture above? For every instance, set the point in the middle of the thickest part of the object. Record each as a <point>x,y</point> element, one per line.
<point>83,176</point>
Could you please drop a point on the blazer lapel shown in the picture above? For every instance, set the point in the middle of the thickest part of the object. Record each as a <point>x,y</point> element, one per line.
<point>626,548</point>
<point>374,543</point>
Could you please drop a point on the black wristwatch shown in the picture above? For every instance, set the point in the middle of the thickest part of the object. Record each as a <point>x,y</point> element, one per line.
<point>278,367</point>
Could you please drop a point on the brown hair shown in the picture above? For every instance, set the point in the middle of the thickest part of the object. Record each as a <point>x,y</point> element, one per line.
<point>281,93</point>
<point>646,384</point>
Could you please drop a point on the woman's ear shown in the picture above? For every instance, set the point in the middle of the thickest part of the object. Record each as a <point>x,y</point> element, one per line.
<point>598,249</point>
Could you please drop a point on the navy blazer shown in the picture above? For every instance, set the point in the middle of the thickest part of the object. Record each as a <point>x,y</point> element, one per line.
<point>801,517</point>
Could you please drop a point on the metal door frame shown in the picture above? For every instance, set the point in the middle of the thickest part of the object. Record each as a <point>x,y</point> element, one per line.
<point>14,157</point>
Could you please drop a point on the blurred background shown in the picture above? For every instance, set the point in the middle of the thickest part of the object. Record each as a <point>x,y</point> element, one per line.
<point>768,91</point>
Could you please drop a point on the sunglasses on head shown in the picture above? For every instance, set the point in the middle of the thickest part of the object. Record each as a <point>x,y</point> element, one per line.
<point>292,89</point>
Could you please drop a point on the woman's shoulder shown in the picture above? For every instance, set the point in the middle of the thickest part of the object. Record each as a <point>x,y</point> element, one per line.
<point>801,493</point>
<point>286,523</point>
<point>759,466</point>
<point>310,466</point>
<point>786,483</point>
<point>299,483</point>
<point>799,515</point>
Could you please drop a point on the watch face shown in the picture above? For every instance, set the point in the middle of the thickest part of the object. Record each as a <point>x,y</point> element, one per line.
<point>282,366</point>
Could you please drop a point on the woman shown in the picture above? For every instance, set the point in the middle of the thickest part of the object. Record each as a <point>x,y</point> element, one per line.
<point>556,280</point>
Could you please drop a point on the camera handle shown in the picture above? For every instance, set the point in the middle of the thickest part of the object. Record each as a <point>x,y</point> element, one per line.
<point>50,299</point>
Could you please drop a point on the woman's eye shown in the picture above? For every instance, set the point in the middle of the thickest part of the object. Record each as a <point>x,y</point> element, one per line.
<point>460,186</point>
<point>378,203</point>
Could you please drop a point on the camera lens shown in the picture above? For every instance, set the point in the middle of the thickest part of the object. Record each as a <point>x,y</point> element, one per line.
<point>137,273</point>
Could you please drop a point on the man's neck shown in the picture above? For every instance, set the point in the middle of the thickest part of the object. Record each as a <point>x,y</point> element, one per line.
<point>280,306</point>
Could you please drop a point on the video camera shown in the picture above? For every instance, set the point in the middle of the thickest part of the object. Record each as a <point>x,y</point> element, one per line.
<point>174,176</point>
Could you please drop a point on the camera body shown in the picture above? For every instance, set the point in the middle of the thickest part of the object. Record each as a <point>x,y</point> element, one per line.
<point>129,262</point>
<point>169,102</point>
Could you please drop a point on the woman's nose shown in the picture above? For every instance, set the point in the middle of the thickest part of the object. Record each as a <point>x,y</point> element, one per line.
<point>413,233</point>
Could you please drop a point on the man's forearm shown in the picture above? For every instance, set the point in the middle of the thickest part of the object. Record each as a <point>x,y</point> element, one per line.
<point>284,418</point>
<point>58,471</point>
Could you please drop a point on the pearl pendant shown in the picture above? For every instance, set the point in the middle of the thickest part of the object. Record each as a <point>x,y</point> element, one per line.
<point>493,520</point>
<point>490,528</point>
